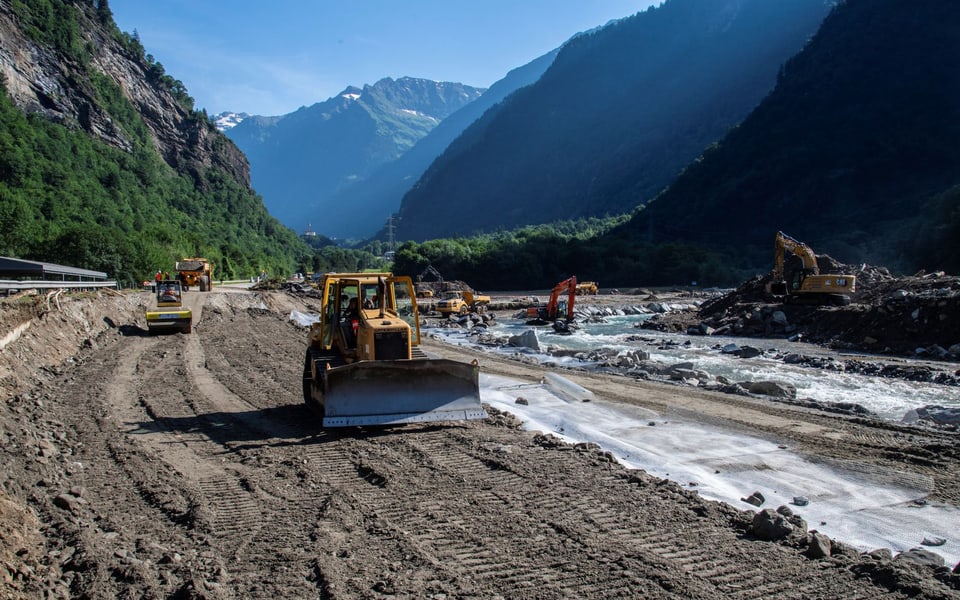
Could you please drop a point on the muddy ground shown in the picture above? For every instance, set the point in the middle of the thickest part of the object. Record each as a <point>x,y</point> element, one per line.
<point>187,466</point>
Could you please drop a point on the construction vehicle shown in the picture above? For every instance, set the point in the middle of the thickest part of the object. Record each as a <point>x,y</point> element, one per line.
<point>557,307</point>
<point>169,313</point>
<point>195,272</point>
<point>587,287</point>
<point>806,285</point>
<point>364,364</point>
<point>425,289</point>
<point>461,302</point>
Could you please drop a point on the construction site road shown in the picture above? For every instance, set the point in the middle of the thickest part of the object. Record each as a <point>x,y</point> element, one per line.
<point>187,466</point>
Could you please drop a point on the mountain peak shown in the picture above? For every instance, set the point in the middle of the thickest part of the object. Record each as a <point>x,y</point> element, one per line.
<point>228,119</point>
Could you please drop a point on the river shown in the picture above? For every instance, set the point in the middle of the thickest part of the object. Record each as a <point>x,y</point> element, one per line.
<point>856,504</point>
<point>888,398</point>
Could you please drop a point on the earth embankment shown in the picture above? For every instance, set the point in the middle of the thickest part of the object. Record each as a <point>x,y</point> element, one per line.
<point>187,466</point>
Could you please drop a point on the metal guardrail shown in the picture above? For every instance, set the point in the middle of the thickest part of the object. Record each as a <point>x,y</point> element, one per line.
<point>10,285</point>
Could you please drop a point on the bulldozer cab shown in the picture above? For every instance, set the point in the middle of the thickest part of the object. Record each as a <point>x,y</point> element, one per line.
<point>352,303</point>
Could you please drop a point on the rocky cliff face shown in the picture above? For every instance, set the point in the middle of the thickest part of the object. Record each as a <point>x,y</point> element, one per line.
<point>42,80</point>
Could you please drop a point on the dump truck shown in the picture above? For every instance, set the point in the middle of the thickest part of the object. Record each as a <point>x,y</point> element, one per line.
<point>169,314</point>
<point>806,285</point>
<point>461,302</point>
<point>195,272</point>
<point>364,365</point>
<point>587,287</point>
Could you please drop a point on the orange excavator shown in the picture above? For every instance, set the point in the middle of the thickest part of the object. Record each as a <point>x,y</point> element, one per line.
<point>558,308</point>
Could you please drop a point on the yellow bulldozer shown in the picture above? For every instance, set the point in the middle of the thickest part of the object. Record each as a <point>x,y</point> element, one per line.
<point>364,364</point>
<point>806,285</point>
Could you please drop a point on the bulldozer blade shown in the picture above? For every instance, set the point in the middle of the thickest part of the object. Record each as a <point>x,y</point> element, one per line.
<point>388,392</point>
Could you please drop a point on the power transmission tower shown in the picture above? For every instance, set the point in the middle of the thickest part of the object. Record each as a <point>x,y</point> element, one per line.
<point>391,242</point>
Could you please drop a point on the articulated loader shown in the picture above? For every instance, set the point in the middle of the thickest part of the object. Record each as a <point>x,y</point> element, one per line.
<point>364,366</point>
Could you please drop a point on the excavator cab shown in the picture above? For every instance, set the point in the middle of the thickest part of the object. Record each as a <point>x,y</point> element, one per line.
<point>364,365</point>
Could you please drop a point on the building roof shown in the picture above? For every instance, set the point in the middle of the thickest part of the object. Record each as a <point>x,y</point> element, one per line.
<point>17,267</point>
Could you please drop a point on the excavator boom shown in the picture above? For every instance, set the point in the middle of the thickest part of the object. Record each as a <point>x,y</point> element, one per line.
<point>784,243</point>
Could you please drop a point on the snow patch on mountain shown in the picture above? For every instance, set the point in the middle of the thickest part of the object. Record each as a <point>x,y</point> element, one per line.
<point>228,120</point>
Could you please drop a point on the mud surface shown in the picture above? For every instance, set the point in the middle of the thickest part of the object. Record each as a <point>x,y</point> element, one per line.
<point>187,466</point>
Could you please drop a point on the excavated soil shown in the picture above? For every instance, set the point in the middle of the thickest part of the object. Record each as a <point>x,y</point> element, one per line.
<point>187,466</point>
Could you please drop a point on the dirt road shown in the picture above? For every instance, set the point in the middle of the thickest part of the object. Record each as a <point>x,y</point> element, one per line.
<point>187,466</point>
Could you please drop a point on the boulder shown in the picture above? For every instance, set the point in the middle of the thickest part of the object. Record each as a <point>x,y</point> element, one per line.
<point>818,545</point>
<point>527,339</point>
<point>770,525</point>
<point>771,388</point>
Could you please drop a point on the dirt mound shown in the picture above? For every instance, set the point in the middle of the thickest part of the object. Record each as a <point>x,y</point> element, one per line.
<point>916,315</point>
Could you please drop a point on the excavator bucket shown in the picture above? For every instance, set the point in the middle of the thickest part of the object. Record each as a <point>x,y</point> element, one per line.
<point>386,392</point>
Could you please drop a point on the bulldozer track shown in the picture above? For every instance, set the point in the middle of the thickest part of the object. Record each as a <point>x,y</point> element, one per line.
<point>514,498</point>
<point>442,537</point>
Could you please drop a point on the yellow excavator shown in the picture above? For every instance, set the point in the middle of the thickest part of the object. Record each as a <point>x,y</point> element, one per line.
<point>806,285</point>
<point>364,364</point>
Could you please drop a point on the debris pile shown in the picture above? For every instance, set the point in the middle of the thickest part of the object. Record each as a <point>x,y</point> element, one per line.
<point>918,315</point>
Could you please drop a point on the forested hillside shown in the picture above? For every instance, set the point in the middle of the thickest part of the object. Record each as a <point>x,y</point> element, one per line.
<point>105,164</point>
<point>613,120</point>
<point>856,151</point>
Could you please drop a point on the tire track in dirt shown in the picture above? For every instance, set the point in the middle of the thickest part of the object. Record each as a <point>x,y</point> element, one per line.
<point>425,524</point>
<point>165,421</point>
<point>428,521</point>
<point>599,527</point>
<point>129,492</point>
<point>185,424</point>
<point>264,548</point>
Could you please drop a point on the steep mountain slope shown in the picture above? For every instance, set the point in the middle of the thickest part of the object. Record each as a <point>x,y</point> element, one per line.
<point>300,160</point>
<point>106,165</point>
<point>856,151</point>
<point>51,79</point>
<point>381,193</point>
<point>614,119</point>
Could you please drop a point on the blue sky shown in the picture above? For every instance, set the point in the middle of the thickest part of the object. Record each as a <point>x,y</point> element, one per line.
<point>270,58</point>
